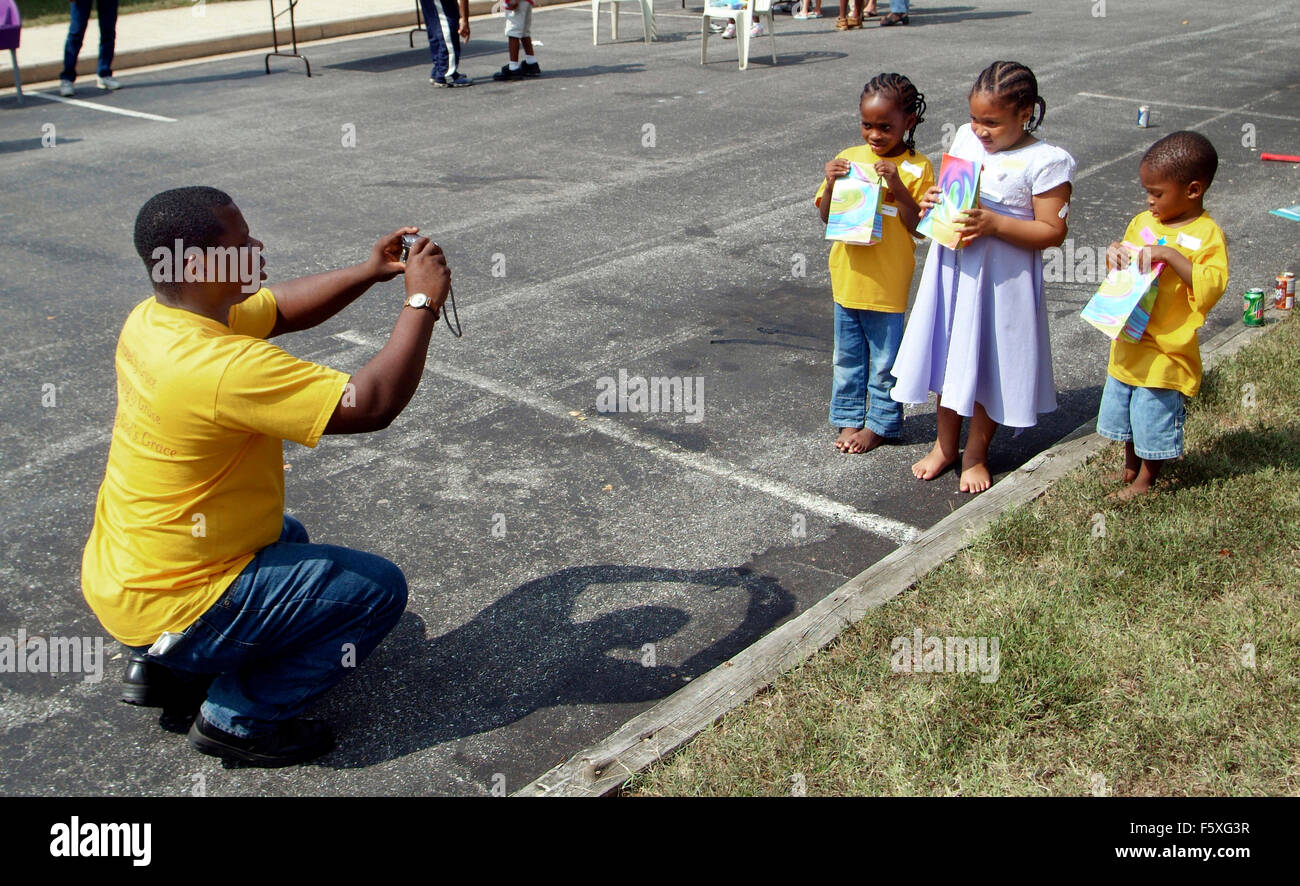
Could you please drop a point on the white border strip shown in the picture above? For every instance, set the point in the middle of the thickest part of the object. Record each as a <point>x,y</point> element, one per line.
<point>107,109</point>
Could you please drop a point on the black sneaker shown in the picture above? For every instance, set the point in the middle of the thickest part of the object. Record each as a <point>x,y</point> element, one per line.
<point>531,69</point>
<point>293,741</point>
<point>457,79</point>
<point>506,74</point>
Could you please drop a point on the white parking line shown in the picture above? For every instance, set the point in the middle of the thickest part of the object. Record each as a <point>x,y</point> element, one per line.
<point>107,109</point>
<point>1164,104</point>
<point>827,508</point>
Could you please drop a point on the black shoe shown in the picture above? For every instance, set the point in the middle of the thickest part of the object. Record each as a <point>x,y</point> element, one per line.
<point>457,79</point>
<point>531,69</point>
<point>152,685</point>
<point>293,741</point>
<point>506,74</point>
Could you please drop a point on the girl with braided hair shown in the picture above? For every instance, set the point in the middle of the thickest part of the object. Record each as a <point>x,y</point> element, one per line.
<point>977,335</point>
<point>871,283</point>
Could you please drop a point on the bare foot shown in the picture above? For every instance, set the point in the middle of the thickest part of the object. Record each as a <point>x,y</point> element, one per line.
<point>1125,475</point>
<point>863,440</point>
<point>1133,490</point>
<point>935,463</point>
<point>975,477</point>
<point>842,441</point>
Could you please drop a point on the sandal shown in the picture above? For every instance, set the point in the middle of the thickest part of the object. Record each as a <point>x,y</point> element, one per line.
<point>852,22</point>
<point>841,23</point>
<point>894,19</point>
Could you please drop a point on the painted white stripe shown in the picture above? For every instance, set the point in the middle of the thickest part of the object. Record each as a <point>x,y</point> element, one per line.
<point>828,508</point>
<point>352,337</point>
<point>811,502</point>
<point>65,448</point>
<point>107,109</point>
<point>1160,103</point>
<point>1097,167</point>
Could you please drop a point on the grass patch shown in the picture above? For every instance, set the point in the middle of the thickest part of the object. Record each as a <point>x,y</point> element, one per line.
<point>51,12</point>
<point>1125,662</point>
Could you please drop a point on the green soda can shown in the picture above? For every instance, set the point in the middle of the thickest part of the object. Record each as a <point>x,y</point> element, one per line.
<point>1253,314</point>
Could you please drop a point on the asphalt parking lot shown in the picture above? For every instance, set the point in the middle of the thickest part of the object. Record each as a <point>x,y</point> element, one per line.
<point>629,211</point>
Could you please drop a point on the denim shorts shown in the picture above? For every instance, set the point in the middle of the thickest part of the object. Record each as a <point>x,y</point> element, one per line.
<point>1150,417</point>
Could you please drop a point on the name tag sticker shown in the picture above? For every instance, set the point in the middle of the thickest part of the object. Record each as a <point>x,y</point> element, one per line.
<point>910,168</point>
<point>886,209</point>
<point>1192,243</point>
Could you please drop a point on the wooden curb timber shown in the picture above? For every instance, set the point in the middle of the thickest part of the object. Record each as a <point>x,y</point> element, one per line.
<point>653,735</point>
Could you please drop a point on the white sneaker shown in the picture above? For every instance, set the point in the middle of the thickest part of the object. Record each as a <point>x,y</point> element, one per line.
<point>756,30</point>
<point>109,83</point>
<point>66,88</point>
<point>730,32</point>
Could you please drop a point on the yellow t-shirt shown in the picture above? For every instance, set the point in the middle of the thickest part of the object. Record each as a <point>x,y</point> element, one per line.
<point>878,277</point>
<point>195,479</point>
<point>1169,354</point>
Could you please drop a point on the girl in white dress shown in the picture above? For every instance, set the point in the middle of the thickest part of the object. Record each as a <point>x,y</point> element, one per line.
<point>977,335</point>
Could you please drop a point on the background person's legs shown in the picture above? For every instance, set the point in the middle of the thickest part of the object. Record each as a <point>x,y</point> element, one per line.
<point>292,625</point>
<point>107,10</point>
<point>442,18</point>
<point>80,20</point>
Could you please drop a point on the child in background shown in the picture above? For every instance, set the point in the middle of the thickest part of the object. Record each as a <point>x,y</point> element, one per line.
<point>519,28</point>
<point>803,14</point>
<point>1147,381</point>
<point>977,335</point>
<point>447,22</point>
<point>871,283</point>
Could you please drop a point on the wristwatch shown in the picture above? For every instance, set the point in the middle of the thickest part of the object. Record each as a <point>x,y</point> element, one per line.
<point>418,300</point>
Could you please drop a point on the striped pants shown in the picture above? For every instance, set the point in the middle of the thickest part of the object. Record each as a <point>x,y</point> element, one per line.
<point>442,18</point>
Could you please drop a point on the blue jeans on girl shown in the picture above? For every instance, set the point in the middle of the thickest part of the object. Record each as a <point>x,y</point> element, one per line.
<point>866,343</point>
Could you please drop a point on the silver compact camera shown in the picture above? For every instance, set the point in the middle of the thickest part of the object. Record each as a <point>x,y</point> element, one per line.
<point>408,241</point>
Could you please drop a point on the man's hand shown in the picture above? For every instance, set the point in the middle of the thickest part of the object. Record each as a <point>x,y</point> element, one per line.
<point>464,29</point>
<point>427,272</point>
<point>385,259</point>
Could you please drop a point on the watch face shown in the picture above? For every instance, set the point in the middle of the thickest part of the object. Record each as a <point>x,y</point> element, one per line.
<point>419,300</point>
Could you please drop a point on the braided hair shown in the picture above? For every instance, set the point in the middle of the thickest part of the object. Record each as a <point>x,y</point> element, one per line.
<point>1013,84</point>
<point>902,93</point>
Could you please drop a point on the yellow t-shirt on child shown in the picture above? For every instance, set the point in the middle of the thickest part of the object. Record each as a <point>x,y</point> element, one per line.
<point>879,277</point>
<point>1169,353</point>
<point>194,485</point>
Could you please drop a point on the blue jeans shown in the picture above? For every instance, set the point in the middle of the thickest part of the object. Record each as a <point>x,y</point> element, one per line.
<point>1150,418</point>
<point>77,33</point>
<point>866,343</point>
<point>899,7</point>
<point>442,20</point>
<point>294,622</point>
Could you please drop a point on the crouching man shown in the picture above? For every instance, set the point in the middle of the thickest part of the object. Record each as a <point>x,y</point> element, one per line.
<point>234,618</point>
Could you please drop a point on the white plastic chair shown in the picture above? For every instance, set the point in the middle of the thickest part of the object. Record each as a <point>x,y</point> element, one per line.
<point>754,9</point>
<point>647,18</point>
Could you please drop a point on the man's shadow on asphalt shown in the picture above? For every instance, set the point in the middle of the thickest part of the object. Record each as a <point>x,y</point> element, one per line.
<point>527,652</point>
